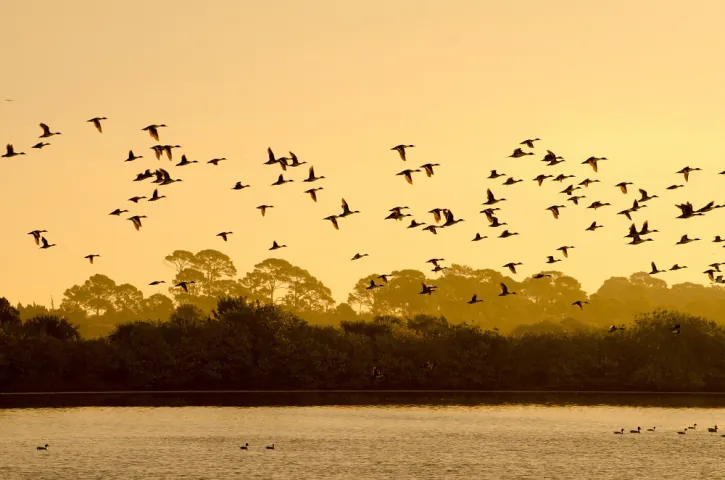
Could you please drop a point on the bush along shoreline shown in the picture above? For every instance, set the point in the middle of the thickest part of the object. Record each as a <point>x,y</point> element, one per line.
<point>246,346</point>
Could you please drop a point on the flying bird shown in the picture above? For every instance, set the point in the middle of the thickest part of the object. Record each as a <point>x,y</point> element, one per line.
<point>428,168</point>
<point>10,152</point>
<point>45,243</point>
<point>136,219</point>
<point>276,246</point>
<point>530,142</point>
<point>520,153</point>
<point>408,175</point>
<point>46,131</point>
<point>91,257</point>
<point>154,130</point>
<point>474,299</point>
<point>185,285</point>
<point>312,192</point>
<point>37,234</point>
<point>96,121</point>
<point>401,150</point>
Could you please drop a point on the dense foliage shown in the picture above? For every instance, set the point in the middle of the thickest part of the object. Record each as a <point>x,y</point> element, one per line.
<point>99,304</point>
<point>242,345</point>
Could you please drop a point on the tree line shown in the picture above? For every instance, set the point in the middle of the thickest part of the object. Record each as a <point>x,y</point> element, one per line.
<point>245,345</point>
<point>99,304</point>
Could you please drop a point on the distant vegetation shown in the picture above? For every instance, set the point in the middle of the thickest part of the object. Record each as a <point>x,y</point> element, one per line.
<point>541,305</point>
<point>245,346</point>
<point>279,327</point>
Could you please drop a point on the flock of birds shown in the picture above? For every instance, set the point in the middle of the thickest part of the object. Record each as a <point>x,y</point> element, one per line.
<point>638,431</point>
<point>713,429</point>
<point>442,217</point>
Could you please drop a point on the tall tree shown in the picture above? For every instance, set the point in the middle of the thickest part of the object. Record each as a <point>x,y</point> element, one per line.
<point>97,295</point>
<point>267,279</point>
<point>180,259</point>
<point>305,293</point>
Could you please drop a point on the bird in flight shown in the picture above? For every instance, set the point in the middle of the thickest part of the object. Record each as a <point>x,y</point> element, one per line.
<point>46,131</point>
<point>401,150</point>
<point>91,257</point>
<point>154,130</point>
<point>96,121</point>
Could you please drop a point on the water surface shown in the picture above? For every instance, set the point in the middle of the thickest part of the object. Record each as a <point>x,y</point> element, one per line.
<point>449,440</point>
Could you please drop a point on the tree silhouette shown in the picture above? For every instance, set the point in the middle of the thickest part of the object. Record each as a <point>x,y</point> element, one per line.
<point>9,315</point>
<point>267,279</point>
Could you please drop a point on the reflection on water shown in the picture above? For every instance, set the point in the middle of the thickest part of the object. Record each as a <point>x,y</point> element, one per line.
<point>464,438</point>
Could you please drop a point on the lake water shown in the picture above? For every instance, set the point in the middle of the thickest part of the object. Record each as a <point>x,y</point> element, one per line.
<point>453,439</point>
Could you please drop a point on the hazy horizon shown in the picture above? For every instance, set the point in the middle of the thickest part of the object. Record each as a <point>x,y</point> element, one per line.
<point>339,85</point>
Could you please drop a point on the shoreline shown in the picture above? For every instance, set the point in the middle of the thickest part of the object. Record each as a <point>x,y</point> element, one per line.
<point>217,392</point>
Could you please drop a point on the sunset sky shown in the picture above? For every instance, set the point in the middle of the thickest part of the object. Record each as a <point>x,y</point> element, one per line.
<point>339,84</point>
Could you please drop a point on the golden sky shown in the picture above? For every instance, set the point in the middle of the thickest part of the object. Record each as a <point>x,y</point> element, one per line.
<point>340,83</point>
